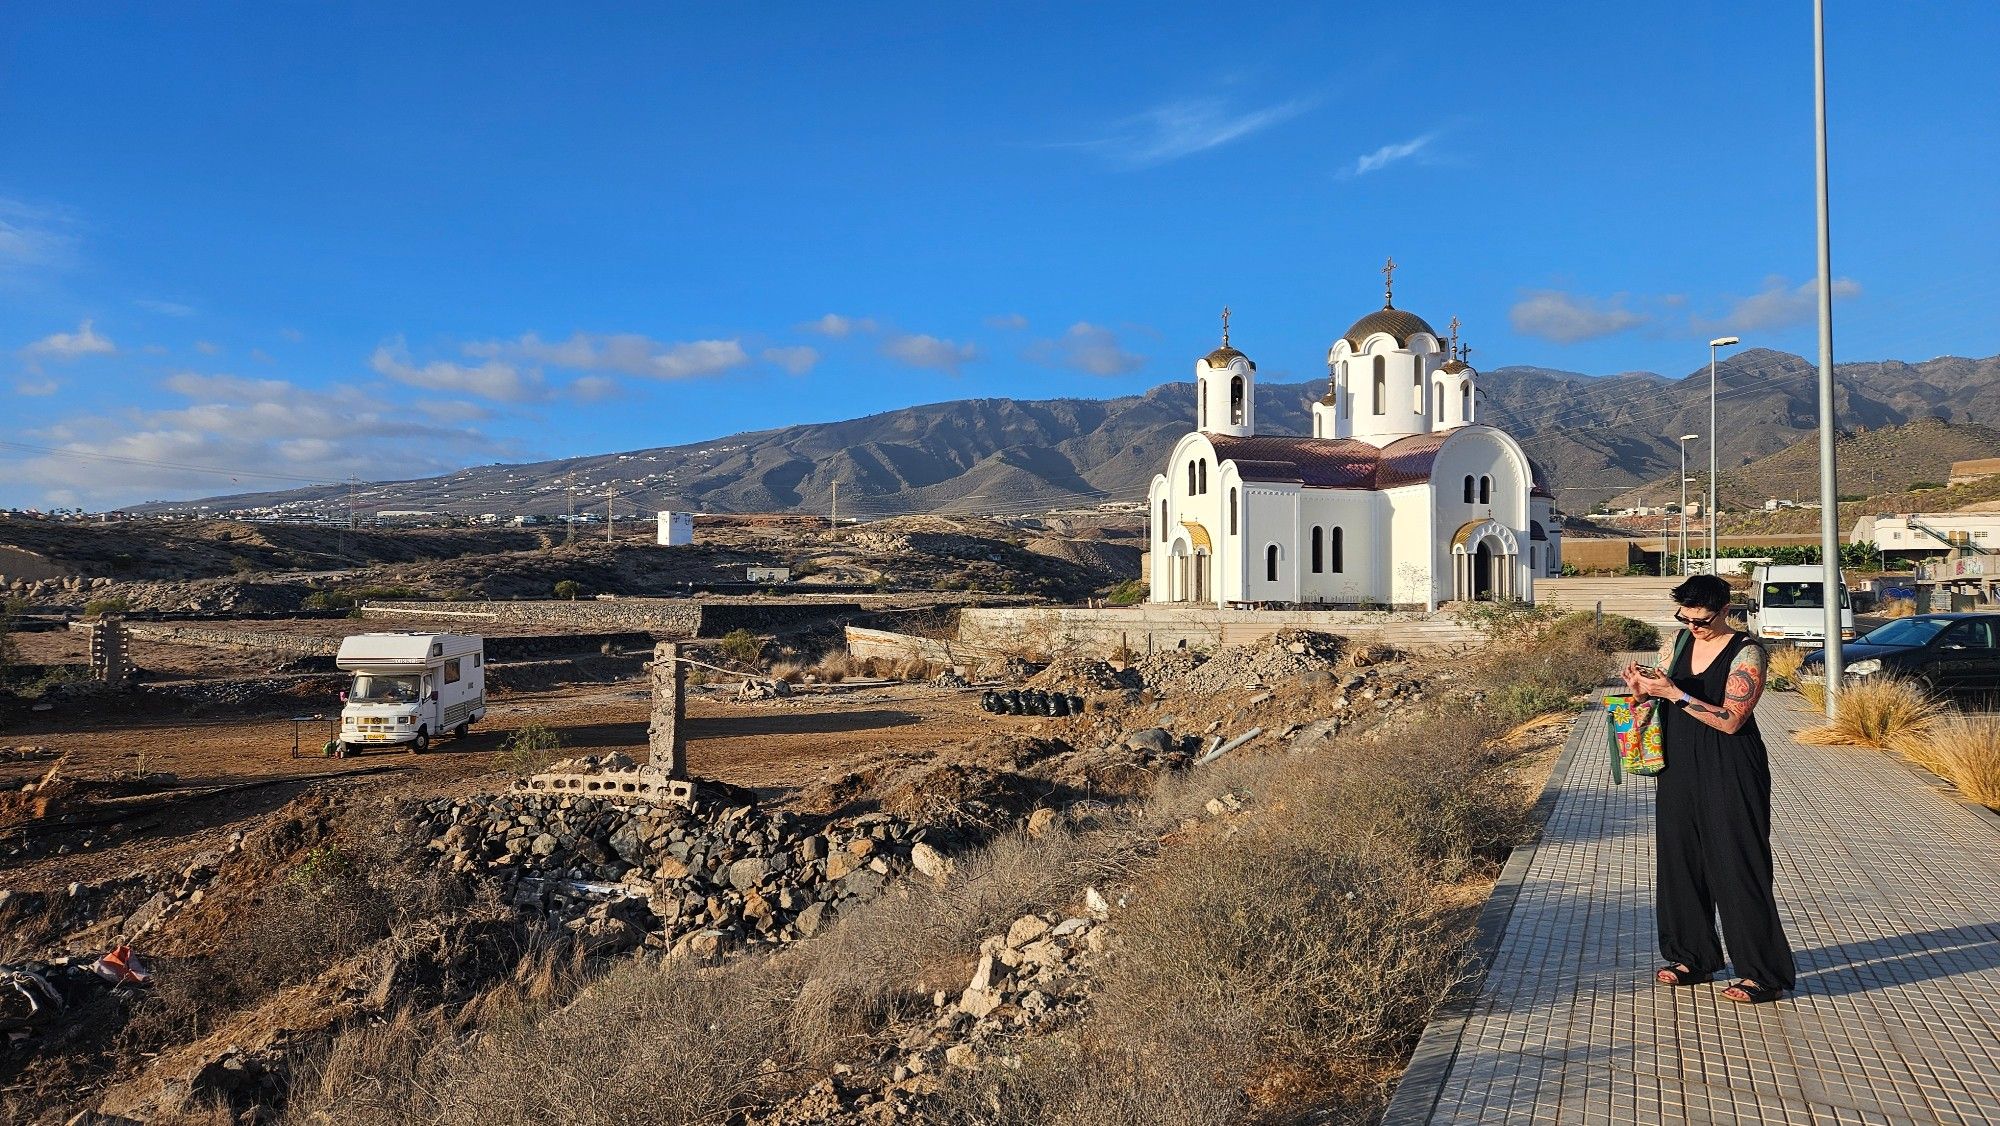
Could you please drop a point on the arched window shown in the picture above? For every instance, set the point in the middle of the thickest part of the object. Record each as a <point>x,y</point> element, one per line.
<point>1465,400</point>
<point>1163,521</point>
<point>1468,488</point>
<point>1417,369</point>
<point>1440,401</point>
<point>1486,490</point>
<point>1535,560</point>
<point>1232,512</point>
<point>1235,400</point>
<point>1337,548</point>
<point>1271,563</point>
<point>1346,396</point>
<point>1201,397</point>
<point>1316,426</point>
<point>1190,478</point>
<point>1318,550</point>
<point>1381,385</point>
<point>1203,466</point>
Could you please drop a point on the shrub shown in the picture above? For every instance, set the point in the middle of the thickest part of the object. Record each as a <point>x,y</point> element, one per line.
<point>1964,750</point>
<point>834,666</point>
<point>568,589</point>
<point>1782,672</point>
<point>791,672</point>
<point>10,652</point>
<point>1519,703</point>
<point>529,749</point>
<point>742,646</point>
<point>1897,608</point>
<point>112,604</point>
<point>1614,634</point>
<point>1875,712</point>
<point>1131,592</point>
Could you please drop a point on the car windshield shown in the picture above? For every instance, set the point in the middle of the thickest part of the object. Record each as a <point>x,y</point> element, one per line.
<point>372,688</point>
<point>1797,596</point>
<point>1904,631</point>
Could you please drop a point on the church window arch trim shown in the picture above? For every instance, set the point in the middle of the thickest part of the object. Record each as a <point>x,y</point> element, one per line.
<point>1272,558</point>
<point>1381,385</point>
<point>1336,551</point>
<point>1318,550</point>
<point>1238,404</point>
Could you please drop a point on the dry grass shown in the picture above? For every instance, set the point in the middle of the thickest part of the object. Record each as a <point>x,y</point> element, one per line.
<point>1814,692</point>
<point>1963,750</point>
<point>1783,670</point>
<point>791,672</point>
<point>1876,712</point>
<point>1897,608</point>
<point>834,666</point>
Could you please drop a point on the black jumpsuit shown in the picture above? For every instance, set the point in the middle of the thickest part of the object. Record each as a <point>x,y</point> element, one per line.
<point>1714,830</point>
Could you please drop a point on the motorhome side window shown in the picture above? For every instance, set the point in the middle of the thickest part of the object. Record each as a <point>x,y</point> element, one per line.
<point>451,671</point>
<point>475,659</point>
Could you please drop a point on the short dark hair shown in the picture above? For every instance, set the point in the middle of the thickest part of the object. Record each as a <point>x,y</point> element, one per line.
<point>1703,592</point>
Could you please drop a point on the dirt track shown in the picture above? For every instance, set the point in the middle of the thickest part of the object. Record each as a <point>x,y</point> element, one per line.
<point>772,746</point>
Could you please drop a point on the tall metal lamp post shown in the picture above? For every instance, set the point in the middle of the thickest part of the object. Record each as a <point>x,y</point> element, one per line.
<point>1718,342</point>
<point>1681,548</point>
<point>1829,497</point>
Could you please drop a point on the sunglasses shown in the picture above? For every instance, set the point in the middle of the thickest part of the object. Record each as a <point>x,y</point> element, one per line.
<point>1696,622</point>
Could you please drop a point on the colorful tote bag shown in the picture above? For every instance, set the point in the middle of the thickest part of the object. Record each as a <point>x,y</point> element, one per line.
<point>1632,727</point>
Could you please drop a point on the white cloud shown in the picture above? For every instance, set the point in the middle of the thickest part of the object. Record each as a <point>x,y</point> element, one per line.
<point>797,359</point>
<point>1011,322</point>
<point>921,351</point>
<point>33,237</point>
<point>63,346</point>
<point>237,435</point>
<point>1567,318</point>
<point>1778,305</point>
<point>291,335</point>
<point>628,353</point>
<point>165,308</point>
<point>839,327</point>
<point>1088,348</point>
<point>1177,129</point>
<point>1389,154</point>
<point>593,388</point>
<point>491,380</point>
<point>36,387</point>
<point>208,348</point>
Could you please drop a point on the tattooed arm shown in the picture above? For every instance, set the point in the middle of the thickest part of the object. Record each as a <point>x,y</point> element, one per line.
<point>1746,684</point>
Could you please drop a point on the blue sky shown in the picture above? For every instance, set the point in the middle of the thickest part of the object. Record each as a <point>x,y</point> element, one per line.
<point>292,242</point>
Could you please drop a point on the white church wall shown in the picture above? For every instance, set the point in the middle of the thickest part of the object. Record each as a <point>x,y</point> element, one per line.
<point>1231,554</point>
<point>1411,546</point>
<point>1159,528</point>
<point>1478,452</point>
<point>1362,519</point>
<point>1272,513</point>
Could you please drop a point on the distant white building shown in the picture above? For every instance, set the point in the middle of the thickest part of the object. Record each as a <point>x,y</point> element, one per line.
<point>676,529</point>
<point>1913,534</point>
<point>1400,496</point>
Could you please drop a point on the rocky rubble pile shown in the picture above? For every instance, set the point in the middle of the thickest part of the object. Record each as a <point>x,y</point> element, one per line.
<point>701,878</point>
<point>1031,980</point>
<point>1286,655</point>
<point>1083,676</point>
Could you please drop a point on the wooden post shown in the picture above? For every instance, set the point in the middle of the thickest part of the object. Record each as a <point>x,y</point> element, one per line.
<point>666,736</point>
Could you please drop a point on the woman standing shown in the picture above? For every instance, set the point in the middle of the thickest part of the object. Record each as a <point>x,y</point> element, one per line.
<point>1714,804</point>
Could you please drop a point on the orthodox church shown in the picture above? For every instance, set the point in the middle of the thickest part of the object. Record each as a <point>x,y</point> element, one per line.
<point>1400,497</point>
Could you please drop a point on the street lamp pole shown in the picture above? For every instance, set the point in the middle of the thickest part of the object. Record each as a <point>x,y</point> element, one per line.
<point>1718,342</point>
<point>1829,497</point>
<point>1682,546</point>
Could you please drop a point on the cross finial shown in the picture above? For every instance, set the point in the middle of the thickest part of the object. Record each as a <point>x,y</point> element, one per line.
<point>1465,350</point>
<point>1389,284</point>
<point>1225,326</point>
<point>1454,338</point>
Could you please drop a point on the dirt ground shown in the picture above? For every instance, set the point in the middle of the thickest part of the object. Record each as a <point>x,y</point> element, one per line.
<point>172,787</point>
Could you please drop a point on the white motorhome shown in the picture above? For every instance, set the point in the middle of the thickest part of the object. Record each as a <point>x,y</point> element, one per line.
<point>1788,603</point>
<point>409,688</point>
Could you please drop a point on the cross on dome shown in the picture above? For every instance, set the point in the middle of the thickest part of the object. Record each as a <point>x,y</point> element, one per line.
<point>1389,284</point>
<point>1225,326</point>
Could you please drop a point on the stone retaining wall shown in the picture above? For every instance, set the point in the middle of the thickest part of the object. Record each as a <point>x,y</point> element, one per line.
<point>665,618</point>
<point>1150,628</point>
<point>516,648</point>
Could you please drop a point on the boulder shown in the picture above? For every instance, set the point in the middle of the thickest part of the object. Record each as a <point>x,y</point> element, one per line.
<point>1026,929</point>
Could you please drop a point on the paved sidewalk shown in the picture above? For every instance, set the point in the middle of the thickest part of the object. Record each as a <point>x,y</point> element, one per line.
<point>1890,890</point>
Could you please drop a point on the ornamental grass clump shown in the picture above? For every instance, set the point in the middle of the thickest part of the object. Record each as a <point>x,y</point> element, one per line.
<point>1963,750</point>
<point>1877,712</point>
<point>1782,673</point>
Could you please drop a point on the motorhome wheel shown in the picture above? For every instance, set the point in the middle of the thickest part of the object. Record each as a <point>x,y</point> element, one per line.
<point>421,743</point>
<point>462,730</point>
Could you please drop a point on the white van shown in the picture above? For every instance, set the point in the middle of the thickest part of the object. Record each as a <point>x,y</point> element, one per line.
<point>1788,604</point>
<point>409,688</point>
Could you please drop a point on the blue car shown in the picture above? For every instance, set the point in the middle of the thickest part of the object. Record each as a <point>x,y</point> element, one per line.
<point>1951,654</point>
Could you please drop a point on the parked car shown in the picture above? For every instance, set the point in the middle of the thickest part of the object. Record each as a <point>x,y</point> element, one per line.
<point>1952,654</point>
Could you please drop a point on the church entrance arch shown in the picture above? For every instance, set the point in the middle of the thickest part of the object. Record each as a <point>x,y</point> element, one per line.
<point>1198,564</point>
<point>1485,555</point>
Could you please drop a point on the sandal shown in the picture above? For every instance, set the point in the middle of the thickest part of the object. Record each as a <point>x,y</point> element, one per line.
<point>1678,975</point>
<point>1752,993</point>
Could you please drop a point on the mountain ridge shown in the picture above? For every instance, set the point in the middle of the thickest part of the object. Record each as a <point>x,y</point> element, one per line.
<point>1594,436</point>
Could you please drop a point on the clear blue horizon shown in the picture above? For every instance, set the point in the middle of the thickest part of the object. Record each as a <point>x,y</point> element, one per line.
<point>249,246</point>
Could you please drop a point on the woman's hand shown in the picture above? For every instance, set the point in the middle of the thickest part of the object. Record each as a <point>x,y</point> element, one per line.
<point>1630,675</point>
<point>1650,683</point>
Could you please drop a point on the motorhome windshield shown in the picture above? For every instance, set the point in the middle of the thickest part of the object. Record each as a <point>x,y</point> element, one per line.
<point>374,688</point>
<point>1797,596</point>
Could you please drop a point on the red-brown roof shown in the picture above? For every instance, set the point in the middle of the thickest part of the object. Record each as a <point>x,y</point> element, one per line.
<point>1340,463</point>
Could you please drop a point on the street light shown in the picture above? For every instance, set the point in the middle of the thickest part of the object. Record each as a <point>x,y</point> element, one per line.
<point>1718,342</point>
<point>1682,548</point>
<point>1829,498</point>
